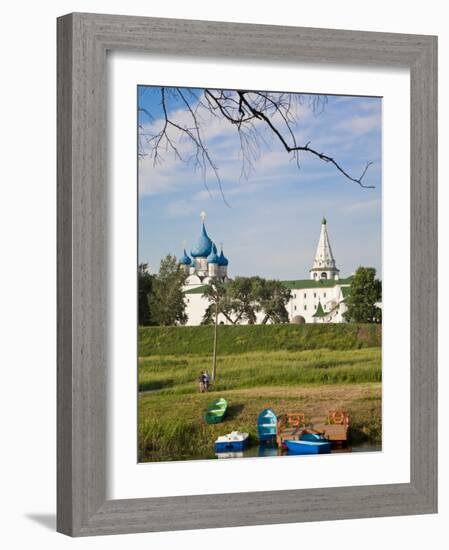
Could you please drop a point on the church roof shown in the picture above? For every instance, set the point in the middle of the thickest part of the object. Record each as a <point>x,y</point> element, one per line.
<point>204,245</point>
<point>213,257</point>
<point>222,259</point>
<point>185,260</point>
<point>321,283</point>
<point>324,258</point>
<point>197,290</point>
<point>300,284</point>
<point>319,311</point>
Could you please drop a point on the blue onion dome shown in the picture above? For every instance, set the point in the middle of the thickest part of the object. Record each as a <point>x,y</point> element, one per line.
<point>222,260</point>
<point>204,246</point>
<point>185,260</point>
<point>213,257</point>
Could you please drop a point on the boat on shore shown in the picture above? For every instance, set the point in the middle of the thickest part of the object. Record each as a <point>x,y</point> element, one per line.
<point>216,411</point>
<point>335,427</point>
<point>266,425</point>
<point>232,442</point>
<point>308,447</point>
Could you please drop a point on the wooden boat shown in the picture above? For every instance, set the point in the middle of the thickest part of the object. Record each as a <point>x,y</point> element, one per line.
<point>266,425</point>
<point>335,427</point>
<point>289,426</point>
<point>304,447</point>
<point>232,442</point>
<point>216,411</point>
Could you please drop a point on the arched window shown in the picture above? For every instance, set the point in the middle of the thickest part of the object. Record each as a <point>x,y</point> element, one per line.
<point>324,275</point>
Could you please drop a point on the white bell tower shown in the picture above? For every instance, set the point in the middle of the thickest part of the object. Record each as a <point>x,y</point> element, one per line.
<point>324,267</point>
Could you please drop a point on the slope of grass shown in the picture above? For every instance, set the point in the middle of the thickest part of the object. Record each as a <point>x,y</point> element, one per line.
<point>183,341</point>
<point>172,374</point>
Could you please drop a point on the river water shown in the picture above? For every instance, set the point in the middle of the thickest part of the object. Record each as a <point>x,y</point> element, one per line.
<point>254,451</point>
<point>272,450</point>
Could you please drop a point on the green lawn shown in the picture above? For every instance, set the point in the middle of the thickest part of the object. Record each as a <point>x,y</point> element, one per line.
<point>182,341</point>
<point>173,374</point>
<point>253,373</point>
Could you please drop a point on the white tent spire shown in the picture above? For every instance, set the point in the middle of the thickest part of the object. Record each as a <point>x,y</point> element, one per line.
<point>324,266</point>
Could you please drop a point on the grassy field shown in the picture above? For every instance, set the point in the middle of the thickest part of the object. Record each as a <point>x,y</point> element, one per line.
<point>244,339</point>
<point>254,370</point>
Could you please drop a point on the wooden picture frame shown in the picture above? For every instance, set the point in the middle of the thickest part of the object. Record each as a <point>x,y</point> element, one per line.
<point>83,41</point>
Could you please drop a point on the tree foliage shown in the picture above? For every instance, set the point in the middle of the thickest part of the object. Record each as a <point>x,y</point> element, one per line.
<point>145,288</point>
<point>167,299</point>
<point>241,299</point>
<point>161,297</point>
<point>272,297</point>
<point>365,292</point>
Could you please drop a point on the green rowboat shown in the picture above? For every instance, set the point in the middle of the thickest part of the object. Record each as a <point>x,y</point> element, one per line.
<point>216,411</point>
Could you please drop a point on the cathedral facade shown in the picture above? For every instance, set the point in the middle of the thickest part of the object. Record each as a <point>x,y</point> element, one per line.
<point>318,299</point>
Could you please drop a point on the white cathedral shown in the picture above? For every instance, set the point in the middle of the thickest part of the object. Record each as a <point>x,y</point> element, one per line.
<point>319,299</point>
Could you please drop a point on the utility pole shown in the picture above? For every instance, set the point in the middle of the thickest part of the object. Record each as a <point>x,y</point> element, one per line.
<point>214,359</point>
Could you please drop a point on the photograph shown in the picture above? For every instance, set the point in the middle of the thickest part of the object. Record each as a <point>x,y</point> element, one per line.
<point>259,273</point>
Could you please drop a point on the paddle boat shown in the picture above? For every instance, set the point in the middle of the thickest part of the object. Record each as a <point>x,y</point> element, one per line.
<point>231,442</point>
<point>309,443</point>
<point>216,411</point>
<point>266,425</point>
<point>335,427</point>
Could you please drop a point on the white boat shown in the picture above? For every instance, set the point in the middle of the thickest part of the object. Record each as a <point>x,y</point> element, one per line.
<point>233,441</point>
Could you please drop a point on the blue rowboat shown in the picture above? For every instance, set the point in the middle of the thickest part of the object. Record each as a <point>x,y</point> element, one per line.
<point>266,425</point>
<point>232,442</point>
<point>302,447</point>
<point>313,436</point>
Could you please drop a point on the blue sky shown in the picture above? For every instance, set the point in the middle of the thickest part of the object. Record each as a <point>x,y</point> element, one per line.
<point>272,224</point>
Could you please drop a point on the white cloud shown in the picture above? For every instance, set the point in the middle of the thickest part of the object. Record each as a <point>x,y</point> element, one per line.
<point>267,155</point>
<point>361,124</point>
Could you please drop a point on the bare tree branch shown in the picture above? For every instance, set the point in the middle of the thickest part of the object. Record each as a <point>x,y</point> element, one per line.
<point>249,112</point>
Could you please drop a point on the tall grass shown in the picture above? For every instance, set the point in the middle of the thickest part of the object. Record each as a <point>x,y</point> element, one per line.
<point>173,375</point>
<point>182,341</point>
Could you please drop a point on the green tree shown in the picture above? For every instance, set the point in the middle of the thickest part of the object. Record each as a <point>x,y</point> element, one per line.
<point>243,299</point>
<point>166,302</point>
<point>272,297</point>
<point>365,291</point>
<point>236,300</point>
<point>145,286</point>
<point>219,302</point>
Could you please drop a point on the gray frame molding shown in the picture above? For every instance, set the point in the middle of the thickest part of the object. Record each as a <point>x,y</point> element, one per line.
<point>83,40</point>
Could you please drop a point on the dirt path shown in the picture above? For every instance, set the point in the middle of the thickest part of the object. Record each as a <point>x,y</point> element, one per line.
<point>148,392</point>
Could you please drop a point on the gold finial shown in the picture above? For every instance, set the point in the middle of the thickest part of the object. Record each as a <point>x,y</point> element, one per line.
<point>202,215</point>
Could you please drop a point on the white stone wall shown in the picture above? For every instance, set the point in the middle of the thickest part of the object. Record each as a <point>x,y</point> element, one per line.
<point>304,302</point>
